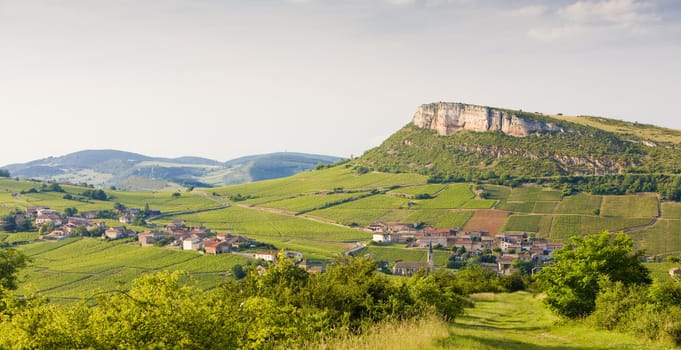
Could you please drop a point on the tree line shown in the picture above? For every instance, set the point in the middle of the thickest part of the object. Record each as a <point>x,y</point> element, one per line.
<point>283,306</point>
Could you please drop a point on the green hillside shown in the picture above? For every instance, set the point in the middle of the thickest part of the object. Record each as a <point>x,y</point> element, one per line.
<point>586,146</point>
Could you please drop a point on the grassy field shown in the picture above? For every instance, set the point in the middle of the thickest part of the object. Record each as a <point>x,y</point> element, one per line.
<point>325,180</point>
<point>523,223</point>
<point>441,217</point>
<point>520,321</point>
<point>640,206</point>
<point>454,196</point>
<point>580,203</point>
<point>663,237</point>
<point>301,203</point>
<point>392,253</point>
<point>248,221</point>
<point>81,267</point>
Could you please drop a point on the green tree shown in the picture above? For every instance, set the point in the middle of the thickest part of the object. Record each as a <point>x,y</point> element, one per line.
<point>571,282</point>
<point>238,271</point>
<point>11,260</point>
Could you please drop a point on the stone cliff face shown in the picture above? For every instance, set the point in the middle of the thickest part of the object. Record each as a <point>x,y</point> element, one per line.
<point>447,118</point>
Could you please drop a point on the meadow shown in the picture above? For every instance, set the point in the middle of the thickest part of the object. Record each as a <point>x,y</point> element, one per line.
<point>79,268</point>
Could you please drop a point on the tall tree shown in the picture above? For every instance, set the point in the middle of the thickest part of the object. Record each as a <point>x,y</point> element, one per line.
<point>571,282</point>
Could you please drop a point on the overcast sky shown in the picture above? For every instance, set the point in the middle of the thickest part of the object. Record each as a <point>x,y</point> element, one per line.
<point>228,78</point>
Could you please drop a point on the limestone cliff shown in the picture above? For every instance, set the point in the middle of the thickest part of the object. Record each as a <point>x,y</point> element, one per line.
<point>447,118</point>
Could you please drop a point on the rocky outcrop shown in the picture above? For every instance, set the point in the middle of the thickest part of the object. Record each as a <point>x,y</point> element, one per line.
<point>447,118</point>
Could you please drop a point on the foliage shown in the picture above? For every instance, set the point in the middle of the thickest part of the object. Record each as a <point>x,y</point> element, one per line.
<point>281,308</point>
<point>4,173</point>
<point>11,261</point>
<point>95,194</point>
<point>572,282</point>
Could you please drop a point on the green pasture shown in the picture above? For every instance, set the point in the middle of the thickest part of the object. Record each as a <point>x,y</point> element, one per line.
<point>248,221</point>
<point>662,238</point>
<point>520,321</point>
<point>640,206</point>
<point>534,194</point>
<point>523,223</point>
<point>444,218</point>
<point>324,180</point>
<point>393,253</point>
<point>580,203</point>
<point>362,217</point>
<point>454,196</point>
<point>79,267</point>
<point>308,202</point>
<point>671,210</point>
<point>430,189</point>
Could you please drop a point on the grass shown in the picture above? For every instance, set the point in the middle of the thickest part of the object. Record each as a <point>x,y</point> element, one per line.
<point>663,237</point>
<point>81,267</point>
<point>523,223</point>
<point>324,180</point>
<point>392,253</point>
<point>630,206</point>
<point>671,210</point>
<point>565,226</point>
<point>580,203</point>
<point>444,218</point>
<point>431,189</point>
<point>309,202</point>
<point>248,221</point>
<point>520,321</point>
<point>454,196</point>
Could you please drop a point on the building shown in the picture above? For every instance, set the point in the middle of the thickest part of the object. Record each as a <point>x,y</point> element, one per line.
<point>215,246</point>
<point>407,268</point>
<point>118,232</point>
<point>148,238</point>
<point>192,243</point>
<point>267,256</point>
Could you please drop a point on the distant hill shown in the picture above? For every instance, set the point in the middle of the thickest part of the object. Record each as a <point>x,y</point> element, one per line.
<point>132,171</point>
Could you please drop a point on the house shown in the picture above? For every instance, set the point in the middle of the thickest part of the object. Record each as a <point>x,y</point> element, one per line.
<point>33,211</point>
<point>147,238</point>
<point>176,224</point>
<point>407,268</point>
<point>126,219</point>
<point>237,241</point>
<point>267,256</point>
<point>293,255</point>
<point>90,214</point>
<point>77,222</point>
<point>57,235</point>
<point>118,232</point>
<point>382,237</point>
<point>675,273</point>
<point>215,246</point>
<point>505,262</point>
<point>48,218</point>
<point>192,243</point>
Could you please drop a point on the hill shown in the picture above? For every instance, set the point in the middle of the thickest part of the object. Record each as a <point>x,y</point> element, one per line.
<point>132,171</point>
<point>467,142</point>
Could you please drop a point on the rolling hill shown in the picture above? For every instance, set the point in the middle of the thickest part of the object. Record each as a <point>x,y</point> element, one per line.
<point>132,171</point>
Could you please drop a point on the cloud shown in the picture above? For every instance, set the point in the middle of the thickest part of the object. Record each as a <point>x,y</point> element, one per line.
<point>596,20</point>
<point>528,11</point>
<point>610,11</point>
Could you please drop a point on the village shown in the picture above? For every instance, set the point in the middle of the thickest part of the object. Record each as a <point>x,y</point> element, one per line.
<point>499,253</point>
<point>174,235</point>
<point>505,248</point>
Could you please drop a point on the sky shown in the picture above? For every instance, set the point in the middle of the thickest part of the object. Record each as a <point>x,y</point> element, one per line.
<point>228,78</point>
